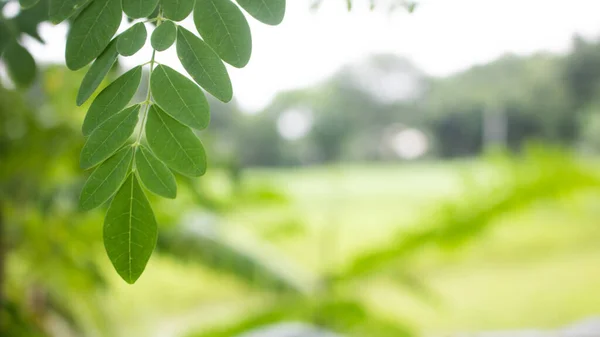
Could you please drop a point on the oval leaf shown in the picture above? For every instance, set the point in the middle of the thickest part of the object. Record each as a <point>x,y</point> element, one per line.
<point>130,231</point>
<point>177,10</point>
<point>181,98</point>
<point>91,32</point>
<point>20,64</point>
<point>224,27</point>
<point>97,72</point>
<point>106,179</point>
<point>60,10</point>
<point>139,8</point>
<point>205,67</point>
<point>174,143</point>
<point>112,99</point>
<point>154,174</point>
<point>164,36</point>
<point>132,40</point>
<point>109,137</point>
<point>270,12</point>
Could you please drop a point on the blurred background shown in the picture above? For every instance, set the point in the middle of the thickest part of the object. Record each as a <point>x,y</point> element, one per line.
<point>428,169</point>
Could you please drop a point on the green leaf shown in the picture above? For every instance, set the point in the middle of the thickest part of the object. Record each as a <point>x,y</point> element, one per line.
<point>112,99</point>
<point>181,98</point>
<point>224,27</point>
<point>270,12</point>
<point>164,36</point>
<point>139,8</point>
<point>132,40</point>
<point>177,10</point>
<point>60,10</point>
<point>97,72</point>
<point>28,3</point>
<point>104,182</point>
<point>30,18</point>
<point>109,137</point>
<point>154,174</point>
<point>20,64</point>
<point>174,143</point>
<point>205,67</point>
<point>91,32</point>
<point>5,36</point>
<point>130,230</point>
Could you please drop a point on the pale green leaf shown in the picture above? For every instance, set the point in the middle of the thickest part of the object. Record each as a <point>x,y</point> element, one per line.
<point>20,64</point>
<point>132,40</point>
<point>139,8</point>
<point>174,143</point>
<point>112,99</point>
<point>177,10</point>
<point>94,76</point>
<point>28,3</point>
<point>109,137</point>
<point>180,97</point>
<point>224,27</point>
<point>130,230</point>
<point>270,12</point>
<point>205,67</point>
<point>61,10</point>
<point>104,182</point>
<point>154,174</point>
<point>164,36</point>
<point>92,31</point>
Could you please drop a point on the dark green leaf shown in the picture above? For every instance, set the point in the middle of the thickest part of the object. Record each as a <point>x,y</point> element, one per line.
<point>132,40</point>
<point>177,10</point>
<point>174,143</point>
<point>29,19</point>
<point>91,32</point>
<point>270,12</point>
<point>104,182</point>
<point>112,99</point>
<point>109,137</point>
<point>5,36</point>
<point>164,36</point>
<point>205,67</point>
<point>97,72</point>
<point>139,8</point>
<point>20,64</point>
<point>61,10</point>
<point>130,230</point>
<point>180,97</point>
<point>224,27</point>
<point>154,174</point>
<point>28,3</point>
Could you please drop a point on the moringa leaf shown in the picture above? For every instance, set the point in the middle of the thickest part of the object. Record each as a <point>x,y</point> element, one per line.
<point>174,143</point>
<point>104,182</point>
<point>97,72</point>
<point>205,67</point>
<point>28,3</point>
<point>139,8</point>
<point>164,36</point>
<point>91,32</point>
<point>60,10</point>
<point>224,27</point>
<point>109,137</point>
<point>130,230</point>
<point>20,64</point>
<point>181,98</point>
<point>177,10</point>
<point>132,40</point>
<point>112,99</point>
<point>270,12</point>
<point>154,174</point>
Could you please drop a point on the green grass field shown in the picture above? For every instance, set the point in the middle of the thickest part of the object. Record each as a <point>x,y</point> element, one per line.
<point>538,267</point>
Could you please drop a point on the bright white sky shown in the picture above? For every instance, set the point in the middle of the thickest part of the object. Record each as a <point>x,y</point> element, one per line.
<point>441,37</point>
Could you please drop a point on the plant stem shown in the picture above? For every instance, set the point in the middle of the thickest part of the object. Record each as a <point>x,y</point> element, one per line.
<point>148,100</point>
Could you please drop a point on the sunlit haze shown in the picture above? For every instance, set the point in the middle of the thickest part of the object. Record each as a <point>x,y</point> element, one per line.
<point>441,37</point>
